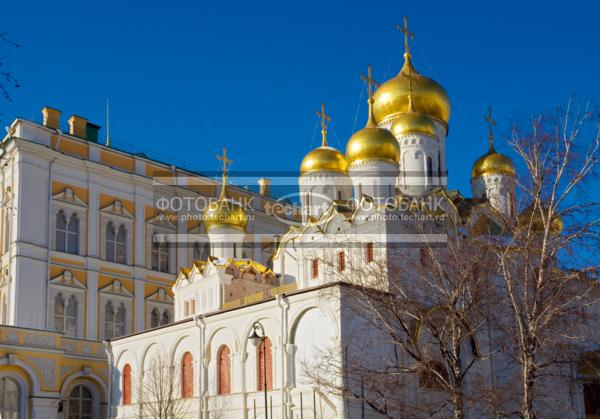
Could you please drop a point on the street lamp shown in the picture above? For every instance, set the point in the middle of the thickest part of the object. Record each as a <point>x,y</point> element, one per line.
<point>256,339</point>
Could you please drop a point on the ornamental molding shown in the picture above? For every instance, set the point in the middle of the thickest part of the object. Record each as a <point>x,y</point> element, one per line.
<point>117,209</point>
<point>116,288</point>
<point>46,368</point>
<point>69,197</point>
<point>160,296</point>
<point>67,280</point>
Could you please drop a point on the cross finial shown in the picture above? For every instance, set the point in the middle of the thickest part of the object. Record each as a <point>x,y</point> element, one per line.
<point>488,118</point>
<point>226,162</point>
<point>407,34</point>
<point>369,79</point>
<point>324,121</point>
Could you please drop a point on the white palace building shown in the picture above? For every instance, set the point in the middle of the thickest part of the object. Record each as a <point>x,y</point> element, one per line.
<point>88,256</point>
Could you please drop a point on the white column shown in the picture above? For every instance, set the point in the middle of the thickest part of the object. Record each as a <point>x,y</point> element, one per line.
<point>140,231</point>
<point>91,305</point>
<point>139,305</point>
<point>182,246</point>
<point>93,223</point>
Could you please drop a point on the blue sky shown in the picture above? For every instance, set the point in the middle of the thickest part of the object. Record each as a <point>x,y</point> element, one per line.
<point>186,78</point>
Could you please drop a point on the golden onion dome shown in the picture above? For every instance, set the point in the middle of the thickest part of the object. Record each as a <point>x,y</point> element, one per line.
<point>493,162</point>
<point>225,212</point>
<point>324,159</point>
<point>413,122</point>
<point>429,97</point>
<point>527,216</point>
<point>372,143</point>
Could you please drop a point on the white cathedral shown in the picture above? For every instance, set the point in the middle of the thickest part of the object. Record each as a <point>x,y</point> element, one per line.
<point>223,301</point>
<point>239,318</point>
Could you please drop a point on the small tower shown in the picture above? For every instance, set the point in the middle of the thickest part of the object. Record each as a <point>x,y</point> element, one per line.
<point>493,176</point>
<point>225,221</point>
<point>416,109</point>
<point>373,155</point>
<point>323,176</point>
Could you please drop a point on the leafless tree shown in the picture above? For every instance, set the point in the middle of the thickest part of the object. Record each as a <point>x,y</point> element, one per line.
<point>548,271</point>
<point>7,80</point>
<point>159,392</point>
<point>424,309</point>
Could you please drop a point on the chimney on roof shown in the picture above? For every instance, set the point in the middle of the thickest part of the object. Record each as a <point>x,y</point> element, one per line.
<point>78,126</point>
<point>51,117</point>
<point>91,132</point>
<point>264,186</point>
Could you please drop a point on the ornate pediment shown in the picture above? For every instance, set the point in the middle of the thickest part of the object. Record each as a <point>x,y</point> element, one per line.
<point>164,220</point>
<point>116,288</point>
<point>67,279</point>
<point>68,196</point>
<point>117,209</point>
<point>160,296</point>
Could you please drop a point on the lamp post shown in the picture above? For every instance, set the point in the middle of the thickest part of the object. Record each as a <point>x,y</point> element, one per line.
<point>257,337</point>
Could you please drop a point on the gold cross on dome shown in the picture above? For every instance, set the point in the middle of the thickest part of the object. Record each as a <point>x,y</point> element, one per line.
<point>324,121</point>
<point>488,118</point>
<point>225,161</point>
<point>369,79</point>
<point>407,34</point>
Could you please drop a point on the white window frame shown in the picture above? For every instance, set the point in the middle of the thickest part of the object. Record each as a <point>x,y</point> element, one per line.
<point>125,297</point>
<point>67,292</point>
<point>117,221</point>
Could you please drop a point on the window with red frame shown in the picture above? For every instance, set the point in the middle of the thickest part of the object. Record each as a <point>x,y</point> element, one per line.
<point>315,268</point>
<point>369,252</point>
<point>341,261</point>
<point>187,375</point>
<point>223,371</point>
<point>126,384</point>
<point>264,348</point>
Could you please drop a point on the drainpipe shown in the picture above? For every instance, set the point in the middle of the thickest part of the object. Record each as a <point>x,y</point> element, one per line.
<point>50,165</point>
<point>109,354</point>
<point>283,302</point>
<point>201,325</point>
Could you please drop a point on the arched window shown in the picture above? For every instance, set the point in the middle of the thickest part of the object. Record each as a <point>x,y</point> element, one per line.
<point>166,318</point>
<point>80,403</point>
<point>154,318</point>
<point>160,256</point>
<point>429,170</point>
<point>61,231</point>
<point>121,245</point>
<point>65,315</point>
<point>126,385</point>
<point>110,242</point>
<point>264,349</point>
<point>114,320</point>
<point>10,399</point>
<point>187,375</point>
<point>71,317</point>
<point>223,371</point>
<point>59,313</point>
<point>200,251</point>
<point>73,235</point>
